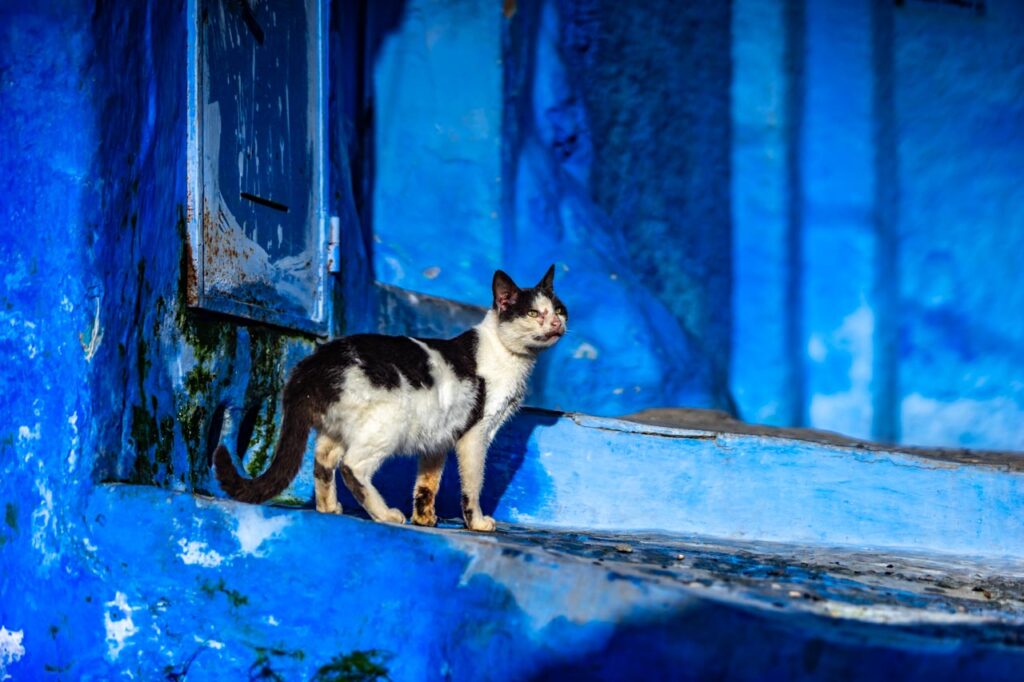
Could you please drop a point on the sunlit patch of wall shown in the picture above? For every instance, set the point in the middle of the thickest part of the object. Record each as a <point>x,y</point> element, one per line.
<point>436,102</point>
<point>875,183</point>
<point>959,119</point>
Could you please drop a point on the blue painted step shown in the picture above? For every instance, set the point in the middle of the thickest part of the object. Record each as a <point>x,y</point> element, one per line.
<point>577,471</point>
<point>625,551</point>
<point>222,587</point>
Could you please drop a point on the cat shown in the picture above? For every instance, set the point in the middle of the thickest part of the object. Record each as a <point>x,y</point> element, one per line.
<point>371,396</point>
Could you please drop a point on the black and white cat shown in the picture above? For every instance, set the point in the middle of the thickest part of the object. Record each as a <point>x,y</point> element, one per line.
<point>371,396</point>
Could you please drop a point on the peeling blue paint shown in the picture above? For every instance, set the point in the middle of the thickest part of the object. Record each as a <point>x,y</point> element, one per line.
<point>257,222</point>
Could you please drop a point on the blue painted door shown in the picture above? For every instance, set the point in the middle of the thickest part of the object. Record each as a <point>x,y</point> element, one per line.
<point>259,239</point>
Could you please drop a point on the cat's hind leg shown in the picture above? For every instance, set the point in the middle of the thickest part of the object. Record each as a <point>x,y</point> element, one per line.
<point>428,479</point>
<point>358,465</point>
<point>328,455</point>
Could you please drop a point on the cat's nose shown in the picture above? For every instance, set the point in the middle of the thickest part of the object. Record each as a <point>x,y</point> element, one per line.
<point>556,322</point>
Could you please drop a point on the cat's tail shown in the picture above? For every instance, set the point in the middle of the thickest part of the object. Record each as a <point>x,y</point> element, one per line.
<point>284,467</point>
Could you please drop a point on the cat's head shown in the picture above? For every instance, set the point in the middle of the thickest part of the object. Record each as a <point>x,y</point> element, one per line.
<point>529,320</point>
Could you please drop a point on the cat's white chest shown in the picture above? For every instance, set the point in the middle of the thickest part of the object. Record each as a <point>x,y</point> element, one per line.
<point>506,375</point>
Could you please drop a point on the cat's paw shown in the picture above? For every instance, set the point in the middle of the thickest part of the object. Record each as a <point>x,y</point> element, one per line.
<point>393,515</point>
<point>328,509</point>
<point>429,519</point>
<point>483,524</point>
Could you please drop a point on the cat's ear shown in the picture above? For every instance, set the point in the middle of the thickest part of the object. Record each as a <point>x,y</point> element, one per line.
<point>547,282</point>
<point>505,291</point>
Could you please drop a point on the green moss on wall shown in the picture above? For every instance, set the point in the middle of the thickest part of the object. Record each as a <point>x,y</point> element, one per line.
<point>265,381</point>
<point>172,439</point>
<point>11,516</point>
<point>234,597</point>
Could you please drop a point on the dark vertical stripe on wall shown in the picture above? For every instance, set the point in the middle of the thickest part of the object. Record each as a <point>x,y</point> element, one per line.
<point>796,50</point>
<point>519,39</point>
<point>885,373</point>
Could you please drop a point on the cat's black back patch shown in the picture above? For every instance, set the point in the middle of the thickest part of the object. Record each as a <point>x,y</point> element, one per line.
<point>459,352</point>
<point>386,359</point>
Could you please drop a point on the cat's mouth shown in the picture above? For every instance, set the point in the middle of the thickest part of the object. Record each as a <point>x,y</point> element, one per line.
<point>550,335</point>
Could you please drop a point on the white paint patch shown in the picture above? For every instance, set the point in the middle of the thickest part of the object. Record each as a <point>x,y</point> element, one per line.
<point>397,271</point>
<point>212,643</point>
<point>253,528</point>
<point>270,620</point>
<point>849,412</point>
<point>73,453</point>
<point>585,351</point>
<point>25,434</point>
<point>195,553</point>
<point>42,519</point>
<point>11,649</point>
<point>902,615</point>
<point>996,424</point>
<point>95,335</point>
<point>118,623</point>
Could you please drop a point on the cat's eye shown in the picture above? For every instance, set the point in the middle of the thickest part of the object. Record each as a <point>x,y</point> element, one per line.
<point>560,310</point>
<point>533,313</point>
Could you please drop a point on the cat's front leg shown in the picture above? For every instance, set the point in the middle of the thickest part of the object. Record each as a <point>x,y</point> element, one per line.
<point>471,451</point>
<point>428,479</point>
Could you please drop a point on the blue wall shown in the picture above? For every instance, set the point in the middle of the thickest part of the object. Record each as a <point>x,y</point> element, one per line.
<point>958,103</point>
<point>605,181</point>
<point>875,186</point>
<point>809,228</point>
<point>436,93</point>
<point>890,283</point>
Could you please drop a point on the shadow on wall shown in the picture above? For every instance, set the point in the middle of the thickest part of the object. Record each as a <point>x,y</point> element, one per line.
<point>617,172</point>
